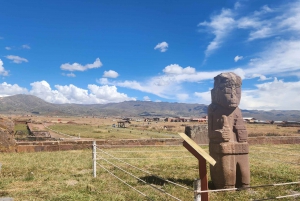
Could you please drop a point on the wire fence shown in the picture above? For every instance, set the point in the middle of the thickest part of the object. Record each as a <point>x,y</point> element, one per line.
<point>108,157</point>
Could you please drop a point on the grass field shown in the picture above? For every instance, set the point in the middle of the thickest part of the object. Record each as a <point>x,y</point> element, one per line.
<point>68,175</point>
<point>109,132</point>
<point>155,130</point>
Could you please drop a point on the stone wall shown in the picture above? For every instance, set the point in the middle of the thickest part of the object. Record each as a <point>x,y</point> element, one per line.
<point>7,141</point>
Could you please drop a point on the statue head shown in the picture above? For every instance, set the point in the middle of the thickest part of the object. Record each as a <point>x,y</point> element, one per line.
<point>227,90</point>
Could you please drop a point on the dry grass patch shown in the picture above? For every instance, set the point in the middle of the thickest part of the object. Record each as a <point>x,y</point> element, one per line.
<point>68,175</point>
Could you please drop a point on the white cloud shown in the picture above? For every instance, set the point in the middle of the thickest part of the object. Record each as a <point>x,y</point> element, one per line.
<point>3,72</point>
<point>26,47</point>
<point>146,98</point>
<point>237,5</point>
<point>108,94</point>
<point>16,59</point>
<point>8,89</point>
<point>272,95</point>
<point>8,48</point>
<point>205,97</point>
<point>78,67</point>
<point>261,77</point>
<point>182,97</point>
<point>220,25</point>
<point>1,38</point>
<point>72,94</point>
<point>176,69</point>
<point>277,58</point>
<point>165,86</point>
<point>163,46</point>
<point>69,74</point>
<point>237,58</point>
<point>110,74</point>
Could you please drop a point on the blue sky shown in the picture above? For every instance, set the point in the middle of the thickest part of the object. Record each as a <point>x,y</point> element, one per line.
<point>106,51</point>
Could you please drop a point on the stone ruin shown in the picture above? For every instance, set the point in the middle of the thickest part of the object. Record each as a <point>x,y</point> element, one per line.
<point>198,133</point>
<point>227,134</point>
<point>7,141</point>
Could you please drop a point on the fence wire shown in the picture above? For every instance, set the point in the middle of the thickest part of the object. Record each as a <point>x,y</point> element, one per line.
<point>147,172</point>
<point>125,183</point>
<point>156,188</point>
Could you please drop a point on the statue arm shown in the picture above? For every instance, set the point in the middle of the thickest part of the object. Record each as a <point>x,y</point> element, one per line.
<point>240,129</point>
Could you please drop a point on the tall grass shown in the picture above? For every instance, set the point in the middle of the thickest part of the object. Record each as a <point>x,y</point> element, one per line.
<point>68,175</point>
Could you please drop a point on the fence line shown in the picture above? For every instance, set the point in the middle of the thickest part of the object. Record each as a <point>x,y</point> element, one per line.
<point>159,189</point>
<point>243,188</point>
<point>273,147</point>
<point>274,153</point>
<point>279,197</point>
<point>147,172</point>
<point>274,160</point>
<point>156,158</point>
<point>126,183</point>
<point>149,151</point>
<point>196,192</point>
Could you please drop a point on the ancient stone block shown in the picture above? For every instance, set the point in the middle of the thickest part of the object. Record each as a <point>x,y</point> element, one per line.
<point>198,133</point>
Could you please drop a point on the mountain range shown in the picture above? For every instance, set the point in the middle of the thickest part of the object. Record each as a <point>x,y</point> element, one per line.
<point>29,104</point>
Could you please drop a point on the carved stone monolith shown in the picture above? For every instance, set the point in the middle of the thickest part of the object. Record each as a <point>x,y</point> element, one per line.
<point>227,134</point>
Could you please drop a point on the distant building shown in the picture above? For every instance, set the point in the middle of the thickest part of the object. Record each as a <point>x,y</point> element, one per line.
<point>249,119</point>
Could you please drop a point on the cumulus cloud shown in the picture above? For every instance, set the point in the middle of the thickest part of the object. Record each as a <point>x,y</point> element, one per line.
<point>73,94</point>
<point>9,89</point>
<point>176,69</point>
<point>8,48</point>
<point>146,98</point>
<point>272,95</point>
<point>110,74</point>
<point>3,72</point>
<point>237,58</point>
<point>26,47</point>
<point>16,59</point>
<point>78,67</point>
<point>163,46</point>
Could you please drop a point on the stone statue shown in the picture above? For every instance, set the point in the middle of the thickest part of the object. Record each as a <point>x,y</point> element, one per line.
<point>227,134</point>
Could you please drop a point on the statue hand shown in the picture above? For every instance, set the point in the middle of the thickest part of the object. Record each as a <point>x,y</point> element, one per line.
<point>225,131</point>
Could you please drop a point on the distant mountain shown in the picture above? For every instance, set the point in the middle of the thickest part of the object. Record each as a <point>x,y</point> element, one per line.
<point>28,104</point>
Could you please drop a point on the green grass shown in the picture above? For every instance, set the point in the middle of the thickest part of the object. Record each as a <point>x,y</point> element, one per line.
<point>108,132</point>
<point>68,175</point>
<point>21,131</point>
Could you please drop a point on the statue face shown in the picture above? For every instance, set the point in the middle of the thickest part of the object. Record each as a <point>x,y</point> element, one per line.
<point>229,95</point>
<point>227,90</point>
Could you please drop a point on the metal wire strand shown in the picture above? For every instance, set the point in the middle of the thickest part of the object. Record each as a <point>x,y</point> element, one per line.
<point>243,188</point>
<point>125,182</point>
<point>147,172</point>
<point>279,197</point>
<point>159,189</point>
